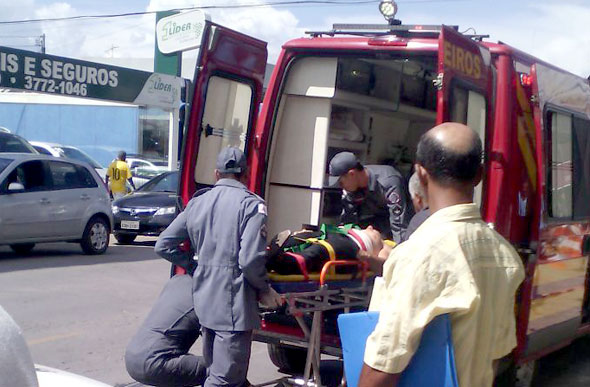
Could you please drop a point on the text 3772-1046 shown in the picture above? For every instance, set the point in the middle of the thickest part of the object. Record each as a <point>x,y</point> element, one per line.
<point>51,86</point>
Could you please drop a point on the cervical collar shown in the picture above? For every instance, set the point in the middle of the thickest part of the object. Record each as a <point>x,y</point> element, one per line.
<point>361,239</point>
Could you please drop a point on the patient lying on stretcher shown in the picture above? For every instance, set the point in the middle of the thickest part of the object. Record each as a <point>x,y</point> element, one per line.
<point>306,251</point>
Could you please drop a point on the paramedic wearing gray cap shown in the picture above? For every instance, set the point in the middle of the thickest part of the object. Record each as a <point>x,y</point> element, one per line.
<point>226,226</point>
<point>372,195</point>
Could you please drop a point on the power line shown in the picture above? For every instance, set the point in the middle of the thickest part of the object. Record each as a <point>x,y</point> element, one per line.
<point>233,6</point>
<point>18,36</point>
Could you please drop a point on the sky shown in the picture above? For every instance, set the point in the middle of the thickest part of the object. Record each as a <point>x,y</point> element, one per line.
<point>552,30</point>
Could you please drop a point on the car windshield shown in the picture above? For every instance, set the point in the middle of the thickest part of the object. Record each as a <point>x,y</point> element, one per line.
<point>167,182</point>
<point>12,143</point>
<point>4,163</point>
<point>77,154</point>
<point>42,150</point>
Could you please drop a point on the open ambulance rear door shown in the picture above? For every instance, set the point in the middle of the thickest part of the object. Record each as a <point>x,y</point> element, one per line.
<point>464,85</point>
<point>227,93</point>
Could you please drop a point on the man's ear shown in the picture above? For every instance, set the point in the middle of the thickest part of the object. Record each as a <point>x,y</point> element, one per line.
<point>422,175</point>
<point>217,175</point>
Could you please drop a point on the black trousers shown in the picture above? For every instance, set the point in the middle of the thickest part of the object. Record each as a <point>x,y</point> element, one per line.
<point>158,353</point>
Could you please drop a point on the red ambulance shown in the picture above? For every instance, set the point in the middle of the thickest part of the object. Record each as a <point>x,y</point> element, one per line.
<point>374,90</point>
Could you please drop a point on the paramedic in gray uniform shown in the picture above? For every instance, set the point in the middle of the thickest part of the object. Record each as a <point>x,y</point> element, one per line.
<point>372,195</point>
<point>227,230</point>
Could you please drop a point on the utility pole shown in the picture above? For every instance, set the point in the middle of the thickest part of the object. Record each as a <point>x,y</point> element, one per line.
<point>112,49</point>
<point>41,43</point>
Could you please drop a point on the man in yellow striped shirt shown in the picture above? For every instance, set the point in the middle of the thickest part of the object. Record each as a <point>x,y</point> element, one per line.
<point>453,263</point>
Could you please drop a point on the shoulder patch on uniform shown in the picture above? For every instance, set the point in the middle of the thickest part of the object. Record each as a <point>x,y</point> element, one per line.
<point>394,198</point>
<point>262,208</point>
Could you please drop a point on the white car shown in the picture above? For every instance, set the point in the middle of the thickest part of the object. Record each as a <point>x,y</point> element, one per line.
<point>47,199</point>
<point>58,150</point>
<point>143,170</point>
<point>16,364</point>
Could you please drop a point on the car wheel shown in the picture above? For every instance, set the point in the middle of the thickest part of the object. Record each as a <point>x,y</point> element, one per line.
<point>22,248</point>
<point>125,239</point>
<point>287,359</point>
<point>95,239</point>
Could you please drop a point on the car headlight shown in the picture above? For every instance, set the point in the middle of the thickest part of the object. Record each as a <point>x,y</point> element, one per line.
<point>115,210</point>
<point>165,211</point>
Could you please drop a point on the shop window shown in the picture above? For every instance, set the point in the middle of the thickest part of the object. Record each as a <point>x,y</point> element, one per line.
<point>561,166</point>
<point>154,129</point>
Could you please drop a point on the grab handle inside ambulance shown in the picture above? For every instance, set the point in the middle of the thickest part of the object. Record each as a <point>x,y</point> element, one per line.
<point>363,266</point>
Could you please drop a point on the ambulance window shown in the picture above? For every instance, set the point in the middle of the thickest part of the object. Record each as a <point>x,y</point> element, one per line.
<point>581,158</point>
<point>469,107</point>
<point>561,165</point>
<point>225,123</point>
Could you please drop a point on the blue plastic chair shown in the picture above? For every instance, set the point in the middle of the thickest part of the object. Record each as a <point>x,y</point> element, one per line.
<point>433,364</point>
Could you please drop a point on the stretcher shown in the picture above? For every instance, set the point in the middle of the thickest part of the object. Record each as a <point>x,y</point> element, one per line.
<point>314,302</point>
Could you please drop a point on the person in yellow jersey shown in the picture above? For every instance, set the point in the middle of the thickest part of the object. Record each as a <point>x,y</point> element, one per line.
<point>119,173</point>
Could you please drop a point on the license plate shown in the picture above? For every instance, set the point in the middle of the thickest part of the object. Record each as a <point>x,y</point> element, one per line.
<point>130,224</point>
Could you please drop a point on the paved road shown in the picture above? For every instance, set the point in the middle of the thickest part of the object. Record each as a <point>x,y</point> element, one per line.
<point>78,312</point>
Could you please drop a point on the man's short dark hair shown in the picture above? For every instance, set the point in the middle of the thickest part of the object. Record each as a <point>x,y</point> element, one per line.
<point>122,155</point>
<point>446,165</point>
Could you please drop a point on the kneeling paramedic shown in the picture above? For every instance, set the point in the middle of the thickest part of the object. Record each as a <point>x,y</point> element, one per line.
<point>226,225</point>
<point>158,354</point>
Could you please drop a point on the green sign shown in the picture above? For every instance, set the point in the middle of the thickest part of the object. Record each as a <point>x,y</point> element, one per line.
<point>163,63</point>
<point>36,72</point>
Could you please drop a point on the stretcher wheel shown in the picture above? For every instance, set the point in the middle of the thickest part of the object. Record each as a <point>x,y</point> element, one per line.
<point>288,359</point>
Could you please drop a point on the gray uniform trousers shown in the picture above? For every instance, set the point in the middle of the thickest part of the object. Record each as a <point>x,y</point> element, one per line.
<point>227,355</point>
<point>158,353</point>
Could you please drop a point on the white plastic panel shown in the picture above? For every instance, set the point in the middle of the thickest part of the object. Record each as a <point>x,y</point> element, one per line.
<point>290,207</point>
<point>299,151</point>
<point>312,77</point>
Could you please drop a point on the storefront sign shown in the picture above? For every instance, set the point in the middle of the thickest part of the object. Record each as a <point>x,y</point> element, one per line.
<point>180,32</point>
<point>36,72</point>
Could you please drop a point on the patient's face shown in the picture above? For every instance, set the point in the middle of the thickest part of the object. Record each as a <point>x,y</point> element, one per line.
<point>375,237</point>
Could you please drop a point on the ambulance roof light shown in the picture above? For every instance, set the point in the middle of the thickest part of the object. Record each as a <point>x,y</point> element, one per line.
<point>388,9</point>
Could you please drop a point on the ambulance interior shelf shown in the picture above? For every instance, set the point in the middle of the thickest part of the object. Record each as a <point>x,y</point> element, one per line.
<point>375,107</point>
